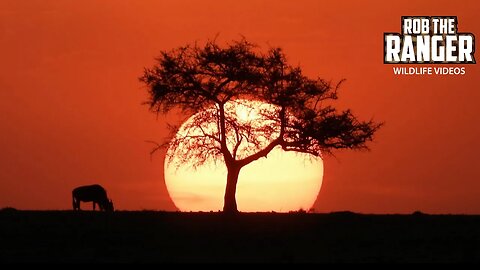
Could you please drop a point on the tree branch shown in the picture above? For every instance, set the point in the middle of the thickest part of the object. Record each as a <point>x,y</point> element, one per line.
<point>223,135</point>
<point>262,153</point>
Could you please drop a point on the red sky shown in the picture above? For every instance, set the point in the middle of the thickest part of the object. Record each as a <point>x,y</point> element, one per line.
<point>71,113</point>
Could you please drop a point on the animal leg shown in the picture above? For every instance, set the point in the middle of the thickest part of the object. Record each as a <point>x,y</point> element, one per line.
<point>76,203</point>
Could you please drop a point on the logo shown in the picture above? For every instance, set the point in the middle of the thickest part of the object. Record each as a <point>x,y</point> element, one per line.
<point>429,40</point>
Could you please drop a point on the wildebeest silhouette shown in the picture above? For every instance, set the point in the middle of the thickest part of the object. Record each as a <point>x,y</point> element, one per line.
<point>92,193</point>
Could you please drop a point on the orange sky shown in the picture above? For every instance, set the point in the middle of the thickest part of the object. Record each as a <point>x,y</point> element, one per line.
<point>71,113</point>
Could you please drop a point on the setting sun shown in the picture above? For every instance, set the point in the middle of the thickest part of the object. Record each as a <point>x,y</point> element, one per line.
<point>282,182</point>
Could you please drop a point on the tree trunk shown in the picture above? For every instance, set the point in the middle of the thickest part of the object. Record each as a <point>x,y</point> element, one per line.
<point>230,203</point>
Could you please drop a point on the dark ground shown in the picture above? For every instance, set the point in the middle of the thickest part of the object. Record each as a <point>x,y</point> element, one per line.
<point>65,236</point>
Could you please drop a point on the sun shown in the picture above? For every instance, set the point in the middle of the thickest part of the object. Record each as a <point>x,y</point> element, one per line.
<point>282,182</point>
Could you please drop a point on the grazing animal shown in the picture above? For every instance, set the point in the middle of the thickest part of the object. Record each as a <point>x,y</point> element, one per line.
<point>92,193</point>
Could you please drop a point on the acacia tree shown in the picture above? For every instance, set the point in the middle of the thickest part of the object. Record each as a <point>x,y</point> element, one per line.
<point>204,81</point>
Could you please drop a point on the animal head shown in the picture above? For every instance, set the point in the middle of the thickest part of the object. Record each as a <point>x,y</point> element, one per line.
<point>109,206</point>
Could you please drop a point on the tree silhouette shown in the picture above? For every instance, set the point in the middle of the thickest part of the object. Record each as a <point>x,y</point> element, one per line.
<point>208,81</point>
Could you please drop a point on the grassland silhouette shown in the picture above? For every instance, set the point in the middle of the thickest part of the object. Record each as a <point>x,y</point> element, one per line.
<point>147,236</point>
